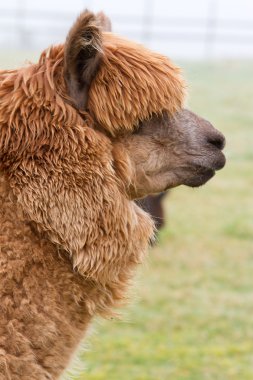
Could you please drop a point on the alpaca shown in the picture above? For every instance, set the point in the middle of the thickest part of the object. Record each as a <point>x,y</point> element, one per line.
<point>95,124</point>
<point>153,205</point>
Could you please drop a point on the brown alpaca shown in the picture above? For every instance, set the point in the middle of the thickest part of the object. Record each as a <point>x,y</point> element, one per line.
<point>153,205</point>
<point>95,124</point>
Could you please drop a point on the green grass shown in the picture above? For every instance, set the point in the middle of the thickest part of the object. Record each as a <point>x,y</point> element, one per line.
<point>192,317</point>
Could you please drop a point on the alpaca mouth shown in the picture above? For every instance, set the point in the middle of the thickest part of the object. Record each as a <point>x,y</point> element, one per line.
<point>204,172</point>
<point>219,161</point>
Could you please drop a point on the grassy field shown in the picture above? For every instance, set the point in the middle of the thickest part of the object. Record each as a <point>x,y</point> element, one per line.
<point>192,317</point>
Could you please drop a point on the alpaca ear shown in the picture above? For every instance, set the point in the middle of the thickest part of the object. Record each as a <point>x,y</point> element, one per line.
<point>83,51</point>
<point>104,22</point>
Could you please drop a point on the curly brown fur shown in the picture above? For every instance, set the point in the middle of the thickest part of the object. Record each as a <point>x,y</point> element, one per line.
<point>70,234</point>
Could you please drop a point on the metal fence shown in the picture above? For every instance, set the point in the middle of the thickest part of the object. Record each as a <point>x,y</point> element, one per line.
<point>23,27</point>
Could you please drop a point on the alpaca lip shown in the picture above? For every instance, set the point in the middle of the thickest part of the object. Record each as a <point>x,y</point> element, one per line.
<point>220,162</point>
<point>216,161</point>
<point>206,172</point>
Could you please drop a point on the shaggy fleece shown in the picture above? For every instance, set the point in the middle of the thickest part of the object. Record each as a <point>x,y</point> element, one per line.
<point>70,237</point>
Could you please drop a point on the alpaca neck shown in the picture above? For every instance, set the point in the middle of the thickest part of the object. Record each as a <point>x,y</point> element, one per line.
<point>44,312</point>
<point>46,306</point>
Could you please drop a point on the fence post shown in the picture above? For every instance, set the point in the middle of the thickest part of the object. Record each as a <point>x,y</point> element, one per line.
<point>211,25</point>
<point>147,20</point>
<point>20,23</point>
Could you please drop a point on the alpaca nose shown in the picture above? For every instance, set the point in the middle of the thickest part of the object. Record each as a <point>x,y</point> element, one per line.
<point>216,139</point>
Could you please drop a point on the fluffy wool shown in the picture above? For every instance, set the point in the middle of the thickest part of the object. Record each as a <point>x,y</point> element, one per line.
<point>70,237</point>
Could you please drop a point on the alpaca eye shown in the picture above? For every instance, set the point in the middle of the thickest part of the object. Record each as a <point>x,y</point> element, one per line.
<point>87,36</point>
<point>139,128</point>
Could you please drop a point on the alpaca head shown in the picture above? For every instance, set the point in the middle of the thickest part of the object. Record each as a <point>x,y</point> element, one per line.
<point>136,96</point>
<point>169,151</point>
<point>96,123</point>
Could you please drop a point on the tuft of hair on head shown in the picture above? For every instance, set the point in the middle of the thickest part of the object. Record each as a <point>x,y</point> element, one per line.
<point>82,54</point>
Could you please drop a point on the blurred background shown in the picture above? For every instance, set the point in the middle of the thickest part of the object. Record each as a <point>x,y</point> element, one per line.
<point>190,317</point>
<point>196,29</point>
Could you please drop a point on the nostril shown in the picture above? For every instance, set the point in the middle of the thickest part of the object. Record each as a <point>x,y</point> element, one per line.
<point>218,141</point>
